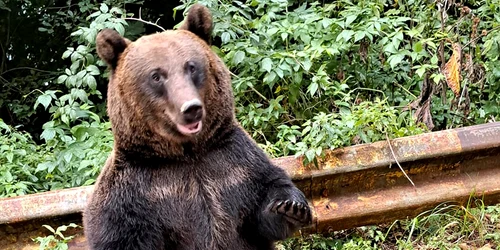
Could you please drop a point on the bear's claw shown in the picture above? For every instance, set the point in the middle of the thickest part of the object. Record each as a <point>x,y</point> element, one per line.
<point>295,211</point>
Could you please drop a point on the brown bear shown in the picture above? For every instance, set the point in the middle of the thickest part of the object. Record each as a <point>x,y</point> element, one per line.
<point>183,174</point>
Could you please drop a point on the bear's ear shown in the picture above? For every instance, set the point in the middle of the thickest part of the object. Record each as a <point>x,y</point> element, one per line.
<point>110,45</point>
<point>199,21</point>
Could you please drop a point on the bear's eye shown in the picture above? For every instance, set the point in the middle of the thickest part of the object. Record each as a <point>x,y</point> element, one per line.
<point>156,77</point>
<point>191,67</point>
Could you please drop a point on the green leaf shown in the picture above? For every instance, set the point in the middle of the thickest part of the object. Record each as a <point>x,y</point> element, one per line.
<point>48,134</point>
<point>50,228</point>
<point>252,51</point>
<point>349,20</point>
<point>434,60</point>
<point>225,37</point>
<point>396,59</point>
<point>284,36</point>
<point>4,126</point>
<point>67,53</point>
<point>44,166</point>
<point>255,37</point>
<point>81,94</point>
<point>269,78</point>
<point>279,72</point>
<point>310,155</point>
<point>61,78</point>
<point>421,71</point>
<point>120,29</point>
<point>104,8</point>
<point>90,82</point>
<point>74,66</point>
<point>305,38</point>
<point>272,31</point>
<point>10,157</point>
<point>7,175</point>
<point>350,124</point>
<point>313,87</point>
<point>359,35</point>
<point>68,156</point>
<point>307,64</point>
<point>93,70</point>
<point>65,119</point>
<point>418,47</point>
<point>326,23</point>
<point>266,64</point>
<point>346,35</point>
<point>319,150</point>
<point>44,99</point>
<point>437,78</point>
<point>238,57</point>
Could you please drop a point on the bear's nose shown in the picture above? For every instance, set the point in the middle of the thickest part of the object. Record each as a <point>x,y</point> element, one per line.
<point>192,111</point>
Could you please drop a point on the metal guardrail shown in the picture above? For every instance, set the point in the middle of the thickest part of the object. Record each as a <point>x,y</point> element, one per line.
<point>352,186</point>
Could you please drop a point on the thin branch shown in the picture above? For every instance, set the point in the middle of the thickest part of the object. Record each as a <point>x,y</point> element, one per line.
<point>61,7</point>
<point>251,87</point>
<point>480,36</point>
<point>442,8</point>
<point>406,90</point>
<point>144,21</point>
<point>29,68</point>
<point>397,162</point>
<point>459,103</point>
<point>369,89</point>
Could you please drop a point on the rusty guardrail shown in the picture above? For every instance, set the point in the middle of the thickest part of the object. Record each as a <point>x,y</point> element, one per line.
<point>352,186</point>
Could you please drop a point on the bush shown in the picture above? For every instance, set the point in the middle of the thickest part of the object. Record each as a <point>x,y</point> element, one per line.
<point>307,76</point>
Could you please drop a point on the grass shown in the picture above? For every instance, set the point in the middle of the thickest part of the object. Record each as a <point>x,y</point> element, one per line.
<point>445,227</point>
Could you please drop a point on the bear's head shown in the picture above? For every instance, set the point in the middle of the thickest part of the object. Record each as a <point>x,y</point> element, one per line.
<point>169,90</point>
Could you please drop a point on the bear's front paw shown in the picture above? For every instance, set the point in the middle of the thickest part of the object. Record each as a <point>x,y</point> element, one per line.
<point>296,212</point>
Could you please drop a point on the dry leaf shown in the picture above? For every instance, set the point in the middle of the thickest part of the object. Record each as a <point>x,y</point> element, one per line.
<point>464,246</point>
<point>452,69</point>
<point>363,50</point>
<point>469,65</point>
<point>423,104</point>
<point>485,247</point>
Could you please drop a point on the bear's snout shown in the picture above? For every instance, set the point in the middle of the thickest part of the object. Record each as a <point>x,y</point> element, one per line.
<point>192,114</point>
<point>192,111</point>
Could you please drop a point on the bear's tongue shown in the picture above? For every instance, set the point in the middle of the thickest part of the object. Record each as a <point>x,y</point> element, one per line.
<point>189,128</point>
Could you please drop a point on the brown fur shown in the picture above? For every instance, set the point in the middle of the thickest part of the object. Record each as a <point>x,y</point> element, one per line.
<point>127,109</point>
<point>164,190</point>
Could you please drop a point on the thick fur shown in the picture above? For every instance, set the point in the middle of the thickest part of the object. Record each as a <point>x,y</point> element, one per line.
<point>162,190</point>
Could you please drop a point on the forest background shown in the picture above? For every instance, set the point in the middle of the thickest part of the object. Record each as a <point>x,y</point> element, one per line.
<point>307,75</point>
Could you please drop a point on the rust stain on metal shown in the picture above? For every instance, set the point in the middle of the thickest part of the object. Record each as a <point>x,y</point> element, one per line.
<point>369,199</point>
<point>54,203</point>
<point>353,186</point>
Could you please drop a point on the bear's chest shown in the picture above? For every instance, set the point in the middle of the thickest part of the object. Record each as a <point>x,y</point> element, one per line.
<point>200,204</point>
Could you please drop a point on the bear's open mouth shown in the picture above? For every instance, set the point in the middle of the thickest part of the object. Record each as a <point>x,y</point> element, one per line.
<point>189,129</point>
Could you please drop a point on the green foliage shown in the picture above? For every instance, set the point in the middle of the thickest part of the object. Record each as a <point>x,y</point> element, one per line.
<point>288,60</point>
<point>19,156</point>
<point>366,122</point>
<point>80,141</point>
<point>27,167</point>
<point>78,154</point>
<point>307,76</point>
<point>300,67</point>
<point>76,140</point>
<point>56,241</point>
